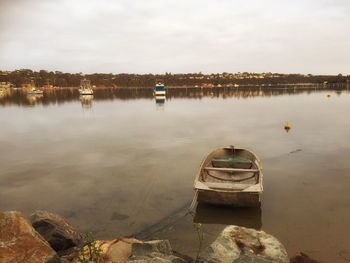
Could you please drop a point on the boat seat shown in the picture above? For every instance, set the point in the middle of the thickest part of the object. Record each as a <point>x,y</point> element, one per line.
<point>209,168</point>
<point>227,186</point>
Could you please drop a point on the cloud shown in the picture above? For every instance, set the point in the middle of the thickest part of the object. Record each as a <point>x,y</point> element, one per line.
<point>176,36</point>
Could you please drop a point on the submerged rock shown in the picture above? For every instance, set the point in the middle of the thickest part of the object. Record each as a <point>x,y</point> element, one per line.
<point>56,230</point>
<point>19,242</point>
<point>303,258</point>
<point>118,216</point>
<point>240,244</point>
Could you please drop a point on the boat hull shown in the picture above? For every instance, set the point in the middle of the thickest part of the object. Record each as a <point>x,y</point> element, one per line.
<point>85,87</point>
<point>159,90</point>
<point>35,93</point>
<point>160,93</point>
<point>86,92</point>
<point>237,199</point>
<point>232,182</point>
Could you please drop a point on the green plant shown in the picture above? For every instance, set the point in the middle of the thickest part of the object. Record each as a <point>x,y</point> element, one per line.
<point>89,250</point>
<point>199,229</point>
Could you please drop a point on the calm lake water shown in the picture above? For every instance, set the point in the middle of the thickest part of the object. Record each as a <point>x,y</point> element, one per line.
<point>123,164</point>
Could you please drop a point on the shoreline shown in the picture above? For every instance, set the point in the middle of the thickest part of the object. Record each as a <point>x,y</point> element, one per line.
<point>213,86</point>
<point>50,238</point>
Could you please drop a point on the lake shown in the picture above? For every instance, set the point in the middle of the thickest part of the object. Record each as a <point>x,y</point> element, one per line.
<point>123,163</point>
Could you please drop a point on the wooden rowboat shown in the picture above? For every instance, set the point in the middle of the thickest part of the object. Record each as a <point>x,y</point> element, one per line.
<point>230,176</point>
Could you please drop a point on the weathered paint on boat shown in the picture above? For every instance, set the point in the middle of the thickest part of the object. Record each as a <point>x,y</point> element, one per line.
<point>236,187</point>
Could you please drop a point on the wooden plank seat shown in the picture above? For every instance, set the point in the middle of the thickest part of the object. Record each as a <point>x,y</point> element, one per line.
<point>210,168</point>
<point>227,186</point>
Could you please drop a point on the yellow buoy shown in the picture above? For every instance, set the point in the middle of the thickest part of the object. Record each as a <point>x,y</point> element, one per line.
<point>287,126</point>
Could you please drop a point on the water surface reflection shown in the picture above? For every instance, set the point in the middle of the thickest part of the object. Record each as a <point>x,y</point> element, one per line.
<point>86,101</point>
<point>125,167</point>
<point>246,217</point>
<point>62,95</point>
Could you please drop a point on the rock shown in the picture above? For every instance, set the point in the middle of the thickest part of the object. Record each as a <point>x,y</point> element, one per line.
<point>70,254</point>
<point>185,258</point>
<point>155,257</point>
<point>118,216</point>
<point>19,242</point>
<point>116,250</point>
<point>146,248</point>
<point>303,258</point>
<point>133,251</point>
<point>240,245</point>
<point>56,230</point>
<point>154,251</point>
<point>121,249</point>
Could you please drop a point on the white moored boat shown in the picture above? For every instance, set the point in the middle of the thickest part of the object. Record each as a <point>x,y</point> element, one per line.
<point>159,89</point>
<point>85,87</point>
<point>35,91</point>
<point>32,90</point>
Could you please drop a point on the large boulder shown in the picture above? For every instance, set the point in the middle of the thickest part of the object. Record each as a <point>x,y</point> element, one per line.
<point>240,245</point>
<point>19,242</point>
<point>56,230</point>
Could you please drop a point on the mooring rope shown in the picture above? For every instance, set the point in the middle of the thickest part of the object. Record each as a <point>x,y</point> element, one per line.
<point>172,221</point>
<point>193,203</point>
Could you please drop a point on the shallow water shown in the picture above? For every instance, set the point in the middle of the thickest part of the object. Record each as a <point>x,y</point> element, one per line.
<point>122,164</point>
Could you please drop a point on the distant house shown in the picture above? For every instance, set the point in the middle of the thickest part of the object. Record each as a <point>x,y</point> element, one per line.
<point>6,85</point>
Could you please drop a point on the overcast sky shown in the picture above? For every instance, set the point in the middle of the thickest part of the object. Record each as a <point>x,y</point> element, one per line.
<point>157,36</point>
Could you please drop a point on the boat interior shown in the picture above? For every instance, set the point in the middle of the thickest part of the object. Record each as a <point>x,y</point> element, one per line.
<point>230,168</point>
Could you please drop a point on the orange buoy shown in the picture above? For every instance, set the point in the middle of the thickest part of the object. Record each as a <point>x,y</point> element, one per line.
<point>287,126</point>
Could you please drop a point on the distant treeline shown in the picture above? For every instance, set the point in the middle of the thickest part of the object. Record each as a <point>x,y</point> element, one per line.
<point>63,95</point>
<point>60,79</point>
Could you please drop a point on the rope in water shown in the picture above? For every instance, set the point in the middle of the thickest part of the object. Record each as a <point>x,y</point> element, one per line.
<point>193,203</point>
<point>189,211</point>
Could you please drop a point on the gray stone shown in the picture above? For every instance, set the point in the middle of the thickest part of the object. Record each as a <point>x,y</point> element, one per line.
<point>240,245</point>
<point>146,248</point>
<point>156,258</point>
<point>156,251</point>
<point>251,259</point>
<point>56,230</point>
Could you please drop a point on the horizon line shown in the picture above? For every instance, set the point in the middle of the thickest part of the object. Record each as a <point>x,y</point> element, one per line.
<point>175,73</point>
